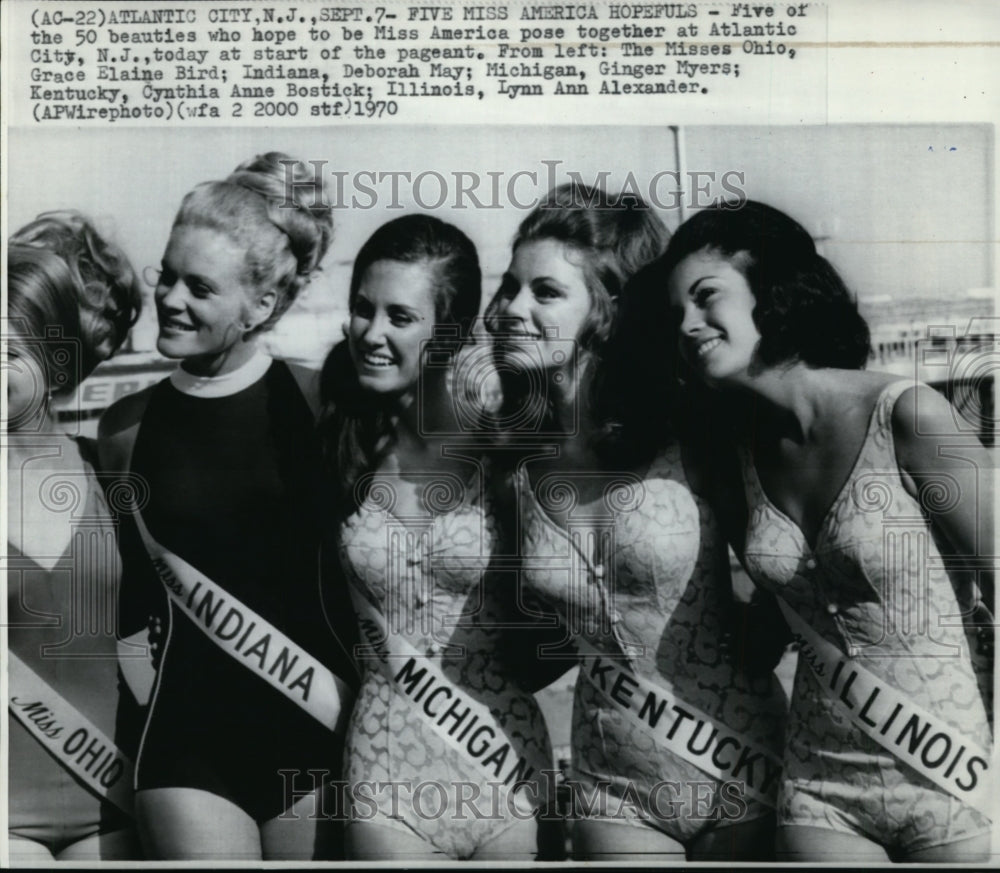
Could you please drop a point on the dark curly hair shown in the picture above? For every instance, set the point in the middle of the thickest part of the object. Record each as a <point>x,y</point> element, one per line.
<point>803,312</point>
<point>614,234</point>
<point>355,425</point>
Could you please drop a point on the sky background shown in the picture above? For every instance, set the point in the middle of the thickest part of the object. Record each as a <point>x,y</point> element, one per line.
<point>901,210</point>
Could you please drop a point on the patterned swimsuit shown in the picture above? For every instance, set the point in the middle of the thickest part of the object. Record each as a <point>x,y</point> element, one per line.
<point>654,598</point>
<point>426,579</point>
<point>874,586</point>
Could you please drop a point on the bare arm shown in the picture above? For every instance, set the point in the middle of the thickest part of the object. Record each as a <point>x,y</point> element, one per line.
<point>953,480</point>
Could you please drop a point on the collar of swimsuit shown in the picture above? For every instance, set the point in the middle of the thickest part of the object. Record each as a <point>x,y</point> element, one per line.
<point>221,386</point>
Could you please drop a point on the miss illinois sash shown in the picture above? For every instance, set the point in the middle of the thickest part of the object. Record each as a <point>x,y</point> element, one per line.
<point>677,726</point>
<point>932,747</point>
<point>250,639</point>
<point>68,735</point>
<point>465,724</point>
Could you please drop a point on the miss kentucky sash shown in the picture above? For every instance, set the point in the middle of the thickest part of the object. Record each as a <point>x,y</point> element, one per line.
<point>69,736</point>
<point>677,726</point>
<point>461,721</point>
<point>932,747</point>
<point>250,639</point>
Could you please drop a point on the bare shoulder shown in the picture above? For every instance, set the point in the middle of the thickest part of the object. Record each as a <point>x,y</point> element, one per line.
<point>921,409</point>
<point>922,421</point>
<point>861,386</point>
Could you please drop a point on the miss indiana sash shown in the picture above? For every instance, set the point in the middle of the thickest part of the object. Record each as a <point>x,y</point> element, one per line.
<point>932,747</point>
<point>250,639</point>
<point>68,735</point>
<point>677,726</point>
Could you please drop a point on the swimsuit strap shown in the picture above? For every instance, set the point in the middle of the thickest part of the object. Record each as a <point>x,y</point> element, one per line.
<point>886,403</point>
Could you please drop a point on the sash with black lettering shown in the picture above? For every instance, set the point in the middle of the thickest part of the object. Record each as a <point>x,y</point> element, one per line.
<point>249,638</point>
<point>68,735</point>
<point>683,729</point>
<point>933,747</point>
<point>416,677</point>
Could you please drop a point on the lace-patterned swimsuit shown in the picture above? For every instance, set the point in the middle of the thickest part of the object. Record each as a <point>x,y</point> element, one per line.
<point>874,569</point>
<point>426,579</point>
<point>654,598</point>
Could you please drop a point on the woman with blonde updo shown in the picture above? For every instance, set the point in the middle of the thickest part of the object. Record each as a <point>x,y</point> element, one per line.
<point>246,713</point>
<point>72,296</point>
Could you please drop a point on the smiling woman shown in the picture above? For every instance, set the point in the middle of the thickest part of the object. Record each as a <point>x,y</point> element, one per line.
<point>414,293</point>
<point>202,302</point>
<point>392,318</point>
<point>226,447</point>
<point>417,532</point>
<point>852,499</point>
<point>623,550</point>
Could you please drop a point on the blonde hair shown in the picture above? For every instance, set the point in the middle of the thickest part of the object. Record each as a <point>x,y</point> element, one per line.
<point>275,207</point>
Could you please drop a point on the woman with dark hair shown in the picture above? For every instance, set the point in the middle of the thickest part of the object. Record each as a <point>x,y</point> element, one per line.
<point>446,751</point>
<point>252,689</point>
<point>630,559</point>
<point>857,518</point>
<point>72,297</point>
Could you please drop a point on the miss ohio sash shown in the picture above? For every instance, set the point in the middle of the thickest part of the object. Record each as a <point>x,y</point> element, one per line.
<point>677,726</point>
<point>932,747</point>
<point>250,639</point>
<point>68,735</point>
<point>465,724</point>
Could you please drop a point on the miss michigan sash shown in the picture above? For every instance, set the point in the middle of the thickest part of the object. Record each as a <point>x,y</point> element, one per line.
<point>465,724</point>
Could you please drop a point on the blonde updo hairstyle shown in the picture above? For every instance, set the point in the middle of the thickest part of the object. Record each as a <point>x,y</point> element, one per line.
<point>275,207</point>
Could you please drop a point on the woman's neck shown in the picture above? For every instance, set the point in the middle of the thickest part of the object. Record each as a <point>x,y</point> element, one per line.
<point>48,442</point>
<point>573,415</point>
<point>419,423</point>
<point>789,398</point>
<point>223,362</point>
<point>42,431</point>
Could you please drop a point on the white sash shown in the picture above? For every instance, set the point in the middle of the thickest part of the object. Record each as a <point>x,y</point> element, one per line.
<point>461,721</point>
<point>932,747</point>
<point>250,639</point>
<point>684,730</point>
<point>69,736</point>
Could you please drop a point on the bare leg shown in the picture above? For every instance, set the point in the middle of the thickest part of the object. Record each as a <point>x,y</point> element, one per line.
<point>596,840</point>
<point>27,852</point>
<point>519,842</point>
<point>747,841</point>
<point>803,843</point>
<point>120,845</point>
<point>970,851</point>
<point>193,825</point>
<point>306,831</point>
<point>367,841</point>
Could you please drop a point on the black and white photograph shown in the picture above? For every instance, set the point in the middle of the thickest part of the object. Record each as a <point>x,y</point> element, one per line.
<point>503,434</point>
